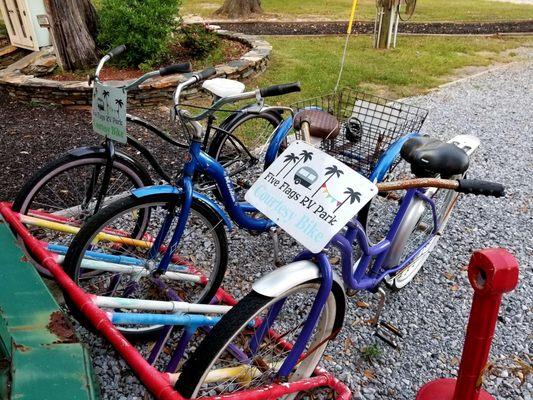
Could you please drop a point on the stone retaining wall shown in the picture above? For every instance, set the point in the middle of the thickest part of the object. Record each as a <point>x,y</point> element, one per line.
<point>30,88</point>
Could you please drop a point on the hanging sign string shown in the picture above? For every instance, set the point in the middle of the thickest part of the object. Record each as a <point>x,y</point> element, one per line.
<point>348,33</point>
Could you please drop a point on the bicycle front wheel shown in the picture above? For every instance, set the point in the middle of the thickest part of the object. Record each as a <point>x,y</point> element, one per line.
<point>416,233</point>
<point>66,189</point>
<point>235,357</point>
<point>111,255</point>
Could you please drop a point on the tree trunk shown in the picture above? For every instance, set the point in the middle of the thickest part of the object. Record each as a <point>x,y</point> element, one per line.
<point>240,8</point>
<point>73,29</point>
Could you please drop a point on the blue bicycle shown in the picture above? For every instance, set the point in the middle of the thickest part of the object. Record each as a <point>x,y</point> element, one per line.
<point>283,326</point>
<point>169,241</point>
<point>175,233</point>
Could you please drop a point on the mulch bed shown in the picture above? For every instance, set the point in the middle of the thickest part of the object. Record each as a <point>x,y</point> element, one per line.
<point>231,50</point>
<point>30,136</point>
<point>339,27</point>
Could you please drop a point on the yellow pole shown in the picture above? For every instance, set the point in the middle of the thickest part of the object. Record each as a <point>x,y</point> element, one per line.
<point>352,17</point>
<point>348,33</point>
<point>73,230</point>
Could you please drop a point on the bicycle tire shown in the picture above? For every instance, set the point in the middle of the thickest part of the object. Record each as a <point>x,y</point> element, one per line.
<point>78,159</point>
<point>222,141</point>
<point>84,239</point>
<point>223,333</point>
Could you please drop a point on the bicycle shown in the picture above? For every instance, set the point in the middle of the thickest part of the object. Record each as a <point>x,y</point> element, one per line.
<point>303,302</point>
<point>114,249</point>
<point>77,184</point>
<point>211,260</point>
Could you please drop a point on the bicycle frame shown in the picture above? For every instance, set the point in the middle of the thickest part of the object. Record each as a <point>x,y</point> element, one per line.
<point>201,162</point>
<point>358,276</point>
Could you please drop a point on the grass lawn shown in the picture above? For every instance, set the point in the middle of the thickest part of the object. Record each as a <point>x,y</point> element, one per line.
<point>427,10</point>
<point>418,64</point>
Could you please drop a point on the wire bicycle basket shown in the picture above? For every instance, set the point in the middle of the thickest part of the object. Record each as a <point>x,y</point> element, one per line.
<point>368,126</point>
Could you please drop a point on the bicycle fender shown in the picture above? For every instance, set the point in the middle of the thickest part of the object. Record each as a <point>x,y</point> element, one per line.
<point>88,150</point>
<point>291,275</point>
<point>279,135</point>
<point>85,151</point>
<point>169,189</point>
<point>387,159</point>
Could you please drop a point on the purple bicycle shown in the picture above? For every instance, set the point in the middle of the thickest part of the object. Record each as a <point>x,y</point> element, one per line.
<point>301,305</point>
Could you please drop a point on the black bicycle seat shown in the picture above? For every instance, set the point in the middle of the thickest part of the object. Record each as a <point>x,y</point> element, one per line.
<point>429,157</point>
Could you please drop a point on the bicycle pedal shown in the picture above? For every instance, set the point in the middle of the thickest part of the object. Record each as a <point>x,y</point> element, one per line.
<point>391,328</point>
<point>388,333</point>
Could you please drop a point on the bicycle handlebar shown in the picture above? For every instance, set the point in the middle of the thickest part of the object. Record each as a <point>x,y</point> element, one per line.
<point>278,90</point>
<point>205,74</point>
<point>116,51</point>
<point>479,187</point>
<point>175,69</point>
<point>468,186</point>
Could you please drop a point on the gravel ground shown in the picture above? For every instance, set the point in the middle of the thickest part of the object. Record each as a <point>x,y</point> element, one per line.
<point>433,310</point>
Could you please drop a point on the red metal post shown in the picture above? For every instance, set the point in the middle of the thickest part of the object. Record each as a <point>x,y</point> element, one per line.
<point>491,272</point>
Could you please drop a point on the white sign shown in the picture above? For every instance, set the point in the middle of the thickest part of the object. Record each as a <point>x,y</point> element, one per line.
<point>109,111</point>
<point>310,194</point>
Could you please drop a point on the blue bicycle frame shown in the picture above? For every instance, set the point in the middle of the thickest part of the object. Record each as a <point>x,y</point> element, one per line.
<point>201,162</point>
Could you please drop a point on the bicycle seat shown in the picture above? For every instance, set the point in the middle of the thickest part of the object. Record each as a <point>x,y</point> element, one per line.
<point>430,156</point>
<point>222,87</point>
<point>321,124</point>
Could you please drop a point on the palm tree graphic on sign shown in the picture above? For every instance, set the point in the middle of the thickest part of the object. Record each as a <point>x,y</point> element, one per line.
<point>106,95</point>
<point>120,104</point>
<point>288,159</point>
<point>331,171</point>
<point>305,156</point>
<point>352,195</point>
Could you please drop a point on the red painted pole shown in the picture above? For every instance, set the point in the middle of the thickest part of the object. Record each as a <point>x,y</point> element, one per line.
<point>156,382</point>
<point>491,272</point>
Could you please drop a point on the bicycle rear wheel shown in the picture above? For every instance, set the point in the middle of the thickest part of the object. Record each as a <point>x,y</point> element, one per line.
<point>242,153</point>
<point>120,237</point>
<point>66,190</point>
<point>229,360</point>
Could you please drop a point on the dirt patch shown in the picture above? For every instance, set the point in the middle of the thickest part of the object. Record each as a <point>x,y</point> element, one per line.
<point>339,27</point>
<point>60,326</point>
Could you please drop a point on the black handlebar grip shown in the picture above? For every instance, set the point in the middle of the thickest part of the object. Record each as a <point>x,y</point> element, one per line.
<point>478,187</point>
<point>206,73</point>
<point>116,51</point>
<point>278,90</point>
<point>175,69</point>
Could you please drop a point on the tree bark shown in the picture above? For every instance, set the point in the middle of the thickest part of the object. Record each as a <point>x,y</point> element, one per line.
<point>73,29</point>
<point>240,8</point>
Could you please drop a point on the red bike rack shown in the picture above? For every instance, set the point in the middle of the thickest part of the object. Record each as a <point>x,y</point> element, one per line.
<point>156,382</point>
<point>491,272</point>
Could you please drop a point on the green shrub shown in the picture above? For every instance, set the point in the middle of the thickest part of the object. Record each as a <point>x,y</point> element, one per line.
<point>144,26</point>
<point>199,41</point>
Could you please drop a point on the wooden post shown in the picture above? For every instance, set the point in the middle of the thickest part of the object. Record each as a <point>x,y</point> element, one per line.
<point>386,23</point>
<point>73,27</point>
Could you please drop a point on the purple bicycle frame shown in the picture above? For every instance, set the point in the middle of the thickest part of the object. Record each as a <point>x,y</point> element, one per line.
<point>360,278</point>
